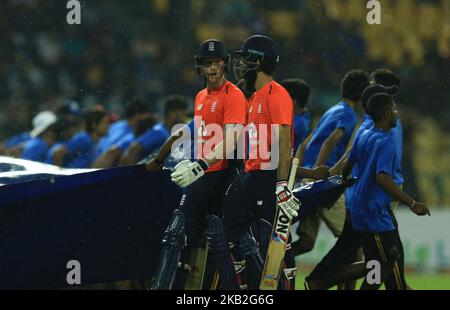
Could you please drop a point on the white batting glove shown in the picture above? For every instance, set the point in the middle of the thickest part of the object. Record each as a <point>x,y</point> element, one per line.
<point>286,200</point>
<point>182,165</point>
<point>187,172</point>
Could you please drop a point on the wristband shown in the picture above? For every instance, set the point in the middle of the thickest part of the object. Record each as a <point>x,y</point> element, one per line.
<point>203,164</point>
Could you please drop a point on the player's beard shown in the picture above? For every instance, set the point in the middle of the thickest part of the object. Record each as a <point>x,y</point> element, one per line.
<point>250,80</point>
<point>213,80</point>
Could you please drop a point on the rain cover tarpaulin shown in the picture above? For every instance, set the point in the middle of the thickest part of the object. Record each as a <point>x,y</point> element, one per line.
<point>111,221</point>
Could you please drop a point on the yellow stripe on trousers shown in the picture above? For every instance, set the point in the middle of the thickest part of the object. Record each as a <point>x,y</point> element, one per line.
<point>395,268</point>
<point>380,247</point>
<point>215,281</point>
<point>397,276</point>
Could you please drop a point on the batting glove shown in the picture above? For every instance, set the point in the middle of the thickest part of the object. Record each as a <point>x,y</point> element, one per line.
<point>187,172</point>
<point>286,200</point>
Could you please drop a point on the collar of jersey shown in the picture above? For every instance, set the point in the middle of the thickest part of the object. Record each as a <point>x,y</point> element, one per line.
<point>374,128</point>
<point>366,117</point>
<point>219,90</point>
<point>262,89</point>
<point>345,104</point>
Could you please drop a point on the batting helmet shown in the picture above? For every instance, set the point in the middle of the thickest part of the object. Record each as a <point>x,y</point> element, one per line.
<point>261,47</point>
<point>212,49</point>
<point>256,47</point>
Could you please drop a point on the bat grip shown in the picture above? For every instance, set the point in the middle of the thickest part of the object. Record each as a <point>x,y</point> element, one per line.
<point>293,173</point>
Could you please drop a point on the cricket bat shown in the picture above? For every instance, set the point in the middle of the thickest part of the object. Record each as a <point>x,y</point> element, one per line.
<point>198,264</point>
<point>278,241</point>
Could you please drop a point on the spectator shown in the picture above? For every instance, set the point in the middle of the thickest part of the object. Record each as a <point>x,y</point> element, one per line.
<point>42,136</point>
<point>79,152</point>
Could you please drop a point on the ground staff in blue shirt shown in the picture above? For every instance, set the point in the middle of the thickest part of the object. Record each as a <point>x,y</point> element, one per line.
<point>324,147</point>
<point>330,138</point>
<point>375,156</point>
<point>300,92</point>
<point>111,157</point>
<point>42,136</point>
<point>136,110</point>
<point>175,112</point>
<point>346,252</point>
<point>79,152</point>
<point>65,129</point>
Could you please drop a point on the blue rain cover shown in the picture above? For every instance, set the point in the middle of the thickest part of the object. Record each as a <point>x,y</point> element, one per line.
<point>110,220</point>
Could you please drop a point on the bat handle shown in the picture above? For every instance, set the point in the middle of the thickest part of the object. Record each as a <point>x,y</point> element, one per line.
<point>293,173</point>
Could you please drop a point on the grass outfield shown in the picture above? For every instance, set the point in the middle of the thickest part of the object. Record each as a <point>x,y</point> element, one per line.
<point>416,281</point>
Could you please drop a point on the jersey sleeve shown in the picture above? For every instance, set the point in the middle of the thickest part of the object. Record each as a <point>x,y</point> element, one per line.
<point>281,108</point>
<point>55,148</point>
<point>386,159</point>
<point>123,144</point>
<point>76,143</point>
<point>352,156</point>
<point>347,123</point>
<point>34,151</point>
<point>152,140</point>
<point>235,108</point>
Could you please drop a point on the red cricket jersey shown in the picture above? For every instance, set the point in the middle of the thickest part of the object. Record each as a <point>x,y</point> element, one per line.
<point>272,104</point>
<point>213,110</point>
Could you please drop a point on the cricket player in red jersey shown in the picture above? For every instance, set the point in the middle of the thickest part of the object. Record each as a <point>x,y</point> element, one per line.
<point>262,186</point>
<point>256,192</point>
<point>219,108</point>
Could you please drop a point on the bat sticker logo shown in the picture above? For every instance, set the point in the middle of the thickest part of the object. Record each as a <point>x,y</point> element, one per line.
<point>282,226</point>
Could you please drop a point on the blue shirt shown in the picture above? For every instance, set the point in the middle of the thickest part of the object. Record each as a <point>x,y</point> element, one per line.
<point>125,142</point>
<point>153,138</point>
<point>340,116</point>
<point>116,132</point>
<point>56,146</point>
<point>35,149</point>
<point>373,153</point>
<point>367,123</point>
<point>17,140</point>
<point>397,135</point>
<point>302,125</point>
<point>81,151</point>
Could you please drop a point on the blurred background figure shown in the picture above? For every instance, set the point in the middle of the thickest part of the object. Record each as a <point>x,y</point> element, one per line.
<point>14,145</point>
<point>79,151</point>
<point>175,112</point>
<point>122,133</point>
<point>41,138</point>
<point>300,92</point>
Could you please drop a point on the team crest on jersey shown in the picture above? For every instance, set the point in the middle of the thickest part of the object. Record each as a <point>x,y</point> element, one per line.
<point>199,107</point>
<point>213,107</point>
